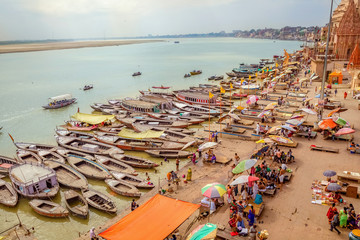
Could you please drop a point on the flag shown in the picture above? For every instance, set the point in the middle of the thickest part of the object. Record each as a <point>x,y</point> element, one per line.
<point>249,77</point>
<point>276,65</point>
<point>231,86</point>
<point>270,67</point>
<point>211,95</point>
<point>256,74</point>
<point>222,90</point>
<point>242,80</point>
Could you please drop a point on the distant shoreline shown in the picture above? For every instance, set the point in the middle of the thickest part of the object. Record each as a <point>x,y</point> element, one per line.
<point>33,47</point>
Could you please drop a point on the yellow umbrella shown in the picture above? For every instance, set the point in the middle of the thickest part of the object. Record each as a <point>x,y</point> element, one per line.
<point>270,106</point>
<point>260,141</point>
<point>240,108</point>
<point>274,129</point>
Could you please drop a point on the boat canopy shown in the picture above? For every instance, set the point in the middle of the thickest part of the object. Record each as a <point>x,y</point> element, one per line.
<point>61,97</point>
<point>92,118</point>
<point>155,219</point>
<point>128,133</point>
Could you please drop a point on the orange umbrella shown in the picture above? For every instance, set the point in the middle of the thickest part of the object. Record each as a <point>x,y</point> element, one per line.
<point>336,110</point>
<point>327,123</point>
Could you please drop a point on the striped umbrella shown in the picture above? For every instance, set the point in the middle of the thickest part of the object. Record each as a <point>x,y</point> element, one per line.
<point>205,231</point>
<point>280,139</point>
<point>213,190</point>
<point>244,165</point>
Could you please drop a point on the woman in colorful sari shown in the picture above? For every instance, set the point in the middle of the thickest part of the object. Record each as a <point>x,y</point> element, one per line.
<point>251,216</point>
<point>343,218</point>
<point>352,219</point>
<point>330,212</point>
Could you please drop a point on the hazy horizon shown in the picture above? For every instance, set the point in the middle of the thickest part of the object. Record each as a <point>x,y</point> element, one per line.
<point>83,19</point>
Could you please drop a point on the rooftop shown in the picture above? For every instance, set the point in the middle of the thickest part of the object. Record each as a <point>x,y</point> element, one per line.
<point>27,172</point>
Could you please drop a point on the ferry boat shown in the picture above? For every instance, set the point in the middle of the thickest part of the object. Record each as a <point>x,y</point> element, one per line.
<point>196,72</point>
<point>198,98</point>
<point>139,106</point>
<point>136,74</point>
<point>34,180</point>
<point>60,101</point>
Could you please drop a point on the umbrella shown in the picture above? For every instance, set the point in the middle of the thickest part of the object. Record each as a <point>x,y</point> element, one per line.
<point>274,129</point>
<point>280,139</point>
<point>271,106</point>
<point>260,141</point>
<point>252,99</point>
<point>344,131</point>
<point>203,232</point>
<point>341,121</point>
<point>188,144</point>
<point>244,165</point>
<point>295,122</point>
<point>327,123</point>
<point>244,179</point>
<point>297,116</point>
<point>309,111</point>
<point>213,190</point>
<point>287,127</point>
<point>329,173</point>
<point>207,145</point>
<point>263,113</point>
<point>333,187</point>
<point>318,96</point>
<point>339,110</point>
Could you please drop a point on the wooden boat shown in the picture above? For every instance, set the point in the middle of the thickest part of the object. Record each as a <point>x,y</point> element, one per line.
<point>48,208</point>
<point>86,145</point>
<point>154,93</point>
<point>178,130</point>
<point>77,134</point>
<point>112,129</point>
<point>123,188</point>
<point>6,163</point>
<point>60,101</point>
<point>8,196</point>
<point>68,153</point>
<point>168,153</point>
<point>132,122</point>
<point>199,98</point>
<point>234,130</point>
<point>49,155</point>
<point>27,156</point>
<point>88,87</point>
<point>137,144</point>
<point>112,164</point>
<point>174,117</point>
<point>196,72</point>
<point>135,181</point>
<point>136,74</point>
<point>88,168</point>
<point>187,75</point>
<point>34,180</point>
<point>99,200</point>
<point>100,106</point>
<point>68,176</point>
<point>175,112</point>
<point>161,87</point>
<point>214,77</point>
<point>35,147</point>
<point>176,136</point>
<point>196,109</point>
<point>76,204</point>
<point>134,161</point>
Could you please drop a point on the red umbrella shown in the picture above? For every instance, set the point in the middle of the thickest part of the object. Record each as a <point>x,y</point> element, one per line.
<point>344,131</point>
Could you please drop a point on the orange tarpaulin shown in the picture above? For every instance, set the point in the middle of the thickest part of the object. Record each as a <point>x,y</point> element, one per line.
<point>156,219</point>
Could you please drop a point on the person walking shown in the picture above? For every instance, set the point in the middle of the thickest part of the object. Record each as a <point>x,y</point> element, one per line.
<point>330,212</point>
<point>177,164</point>
<point>335,92</point>
<point>257,128</point>
<point>345,95</point>
<point>92,234</point>
<point>216,136</point>
<point>335,222</point>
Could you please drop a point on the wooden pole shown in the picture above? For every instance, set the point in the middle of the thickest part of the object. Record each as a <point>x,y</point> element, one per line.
<point>209,121</point>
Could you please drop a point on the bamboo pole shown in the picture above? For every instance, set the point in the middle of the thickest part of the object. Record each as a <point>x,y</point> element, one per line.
<point>209,120</point>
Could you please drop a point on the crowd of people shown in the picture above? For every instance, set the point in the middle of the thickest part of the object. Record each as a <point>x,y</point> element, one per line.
<point>344,218</point>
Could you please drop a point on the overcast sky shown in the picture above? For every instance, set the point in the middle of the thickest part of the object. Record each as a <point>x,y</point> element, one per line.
<point>56,19</point>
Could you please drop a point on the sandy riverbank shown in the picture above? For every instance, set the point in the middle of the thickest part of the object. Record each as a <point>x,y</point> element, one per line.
<point>290,213</point>
<point>31,47</point>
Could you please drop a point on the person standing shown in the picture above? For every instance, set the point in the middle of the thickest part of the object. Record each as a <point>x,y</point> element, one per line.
<point>189,175</point>
<point>177,164</point>
<point>309,134</point>
<point>335,222</point>
<point>335,92</point>
<point>345,95</point>
<point>330,212</point>
<point>216,136</point>
<point>133,205</point>
<point>193,159</point>
<point>92,234</point>
<point>252,233</point>
<point>257,128</point>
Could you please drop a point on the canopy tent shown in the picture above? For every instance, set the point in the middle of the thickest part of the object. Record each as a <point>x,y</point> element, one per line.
<point>129,133</point>
<point>155,219</point>
<point>92,118</point>
<point>61,97</point>
<point>203,232</point>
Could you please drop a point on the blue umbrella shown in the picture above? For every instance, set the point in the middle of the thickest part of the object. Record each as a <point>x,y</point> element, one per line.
<point>287,127</point>
<point>329,173</point>
<point>318,96</point>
